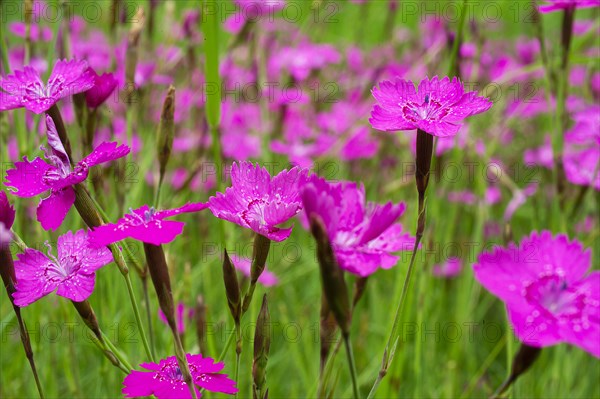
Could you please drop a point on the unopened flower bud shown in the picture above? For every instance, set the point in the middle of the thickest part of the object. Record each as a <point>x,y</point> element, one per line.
<point>332,277</point>
<point>262,344</point>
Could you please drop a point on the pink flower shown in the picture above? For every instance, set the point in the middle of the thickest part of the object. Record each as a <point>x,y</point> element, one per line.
<point>556,5</point>
<point>7,218</point>
<point>540,156</point>
<point>300,60</point>
<point>518,199</point>
<point>36,32</point>
<point>543,284</point>
<point>144,224</point>
<point>165,381</point>
<point>438,107</point>
<point>582,149</point>
<point>258,202</point>
<point>103,87</point>
<point>32,178</point>
<point>180,316</point>
<point>26,89</point>
<point>72,273</point>
<point>244,265</point>
<point>251,11</point>
<point>362,234</point>
<point>451,268</point>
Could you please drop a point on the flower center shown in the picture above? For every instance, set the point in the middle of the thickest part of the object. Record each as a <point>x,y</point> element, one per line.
<point>552,293</point>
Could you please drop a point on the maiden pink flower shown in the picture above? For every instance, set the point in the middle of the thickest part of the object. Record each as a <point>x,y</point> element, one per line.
<point>581,157</point>
<point>165,380</point>
<point>103,87</point>
<point>26,89</point>
<point>362,234</point>
<point>557,5</point>
<point>258,201</point>
<point>437,107</point>
<point>72,273</point>
<point>144,224</point>
<point>544,285</point>
<point>31,178</point>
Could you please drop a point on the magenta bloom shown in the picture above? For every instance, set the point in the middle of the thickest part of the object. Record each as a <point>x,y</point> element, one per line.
<point>544,285</point>
<point>103,87</point>
<point>244,265</point>
<point>72,273</point>
<point>438,107</point>
<point>556,5</point>
<point>165,381</point>
<point>144,224</point>
<point>252,11</point>
<point>362,235</point>
<point>31,178</point>
<point>451,268</point>
<point>581,156</point>
<point>258,202</point>
<point>7,218</point>
<point>26,89</point>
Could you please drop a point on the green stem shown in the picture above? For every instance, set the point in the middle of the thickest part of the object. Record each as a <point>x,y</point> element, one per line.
<point>352,365</point>
<point>390,348</point>
<point>138,318</point>
<point>118,354</point>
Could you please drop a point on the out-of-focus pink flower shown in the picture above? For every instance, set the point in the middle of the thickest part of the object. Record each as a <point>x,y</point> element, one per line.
<point>527,50</point>
<point>492,195</point>
<point>464,197</point>
<point>519,198</point>
<point>31,178</point>
<point>72,272</point>
<point>299,61</point>
<point>581,157</point>
<point>557,5</point>
<point>586,225</point>
<point>363,235</point>
<point>26,89</point>
<point>361,144</point>
<point>450,268</point>
<point>438,107</point>
<point>165,380</point>
<point>181,313</point>
<point>36,33</point>
<point>144,224</point>
<point>540,156</point>
<point>252,11</point>
<point>258,201</point>
<point>244,265</point>
<point>544,285</point>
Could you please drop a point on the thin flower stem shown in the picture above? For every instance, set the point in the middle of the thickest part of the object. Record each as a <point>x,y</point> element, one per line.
<point>138,318</point>
<point>226,347</point>
<point>390,348</point>
<point>118,354</point>
<point>352,365</point>
<point>107,353</point>
<point>148,315</point>
<point>238,354</point>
